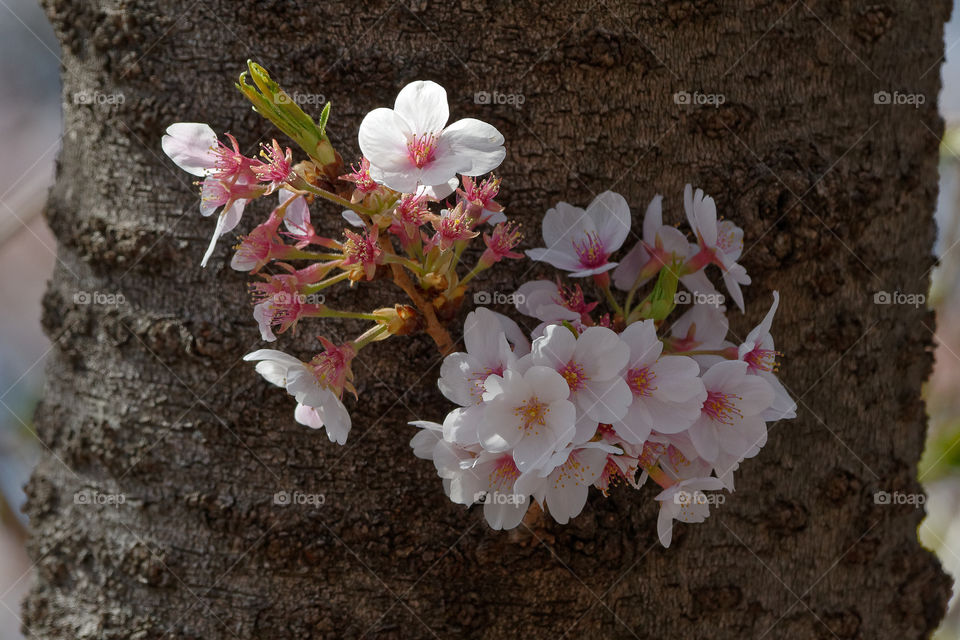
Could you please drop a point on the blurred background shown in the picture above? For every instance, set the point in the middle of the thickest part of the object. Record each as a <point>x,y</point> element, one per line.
<point>30,131</point>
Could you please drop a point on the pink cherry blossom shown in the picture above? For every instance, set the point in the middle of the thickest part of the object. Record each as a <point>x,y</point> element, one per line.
<point>479,198</point>
<point>592,365</point>
<point>362,253</point>
<point>761,358</point>
<point>500,244</point>
<point>685,502</point>
<point>318,406</point>
<point>667,390</point>
<point>582,241</point>
<point>411,144</point>
<point>452,225</point>
<point>730,419</point>
<point>528,414</point>
<point>574,470</point>
<point>720,243</point>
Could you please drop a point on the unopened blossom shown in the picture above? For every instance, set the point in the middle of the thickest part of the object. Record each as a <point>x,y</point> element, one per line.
<point>720,243</point>
<point>478,195</point>
<point>591,364</point>
<point>684,502</point>
<point>761,358</point>
<point>731,417</point>
<point>500,244</point>
<point>411,144</point>
<point>452,225</point>
<point>582,241</point>
<point>277,168</point>
<point>667,390</point>
<point>317,405</point>
<point>528,414</point>
<point>362,254</point>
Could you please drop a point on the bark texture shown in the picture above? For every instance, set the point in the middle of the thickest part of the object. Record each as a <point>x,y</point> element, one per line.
<point>149,399</point>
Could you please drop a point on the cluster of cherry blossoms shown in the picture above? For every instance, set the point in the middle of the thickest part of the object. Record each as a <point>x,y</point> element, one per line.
<point>612,399</point>
<point>590,397</point>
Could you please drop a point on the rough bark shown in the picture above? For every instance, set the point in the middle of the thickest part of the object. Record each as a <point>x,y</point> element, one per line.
<point>149,399</point>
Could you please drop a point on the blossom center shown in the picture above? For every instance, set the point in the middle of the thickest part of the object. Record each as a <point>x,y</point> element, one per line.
<point>640,381</point>
<point>532,414</point>
<point>421,149</point>
<point>721,407</point>
<point>573,373</point>
<point>761,360</point>
<point>590,251</point>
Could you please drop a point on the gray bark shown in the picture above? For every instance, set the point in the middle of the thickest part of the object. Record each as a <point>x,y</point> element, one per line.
<point>149,398</point>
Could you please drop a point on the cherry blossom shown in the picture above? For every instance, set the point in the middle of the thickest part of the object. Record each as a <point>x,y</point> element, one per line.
<point>591,364</point>
<point>412,145</point>
<point>667,390</point>
<point>730,419</point>
<point>684,502</point>
<point>761,358</point>
<point>720,243</point>
<point>573,471</point>
<point>528,414</point>
<point>313,385</point>
<point>582,241</point>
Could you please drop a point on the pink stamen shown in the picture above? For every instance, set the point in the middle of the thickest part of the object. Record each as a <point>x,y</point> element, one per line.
<point>422,149</point>
<point>640,381</point>
<point>591,251</point>
<point>721,407</point>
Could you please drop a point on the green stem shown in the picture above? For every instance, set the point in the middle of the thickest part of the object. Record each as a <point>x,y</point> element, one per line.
<point>323,284</point>
<point>368,336</point>
<point>406,262</point>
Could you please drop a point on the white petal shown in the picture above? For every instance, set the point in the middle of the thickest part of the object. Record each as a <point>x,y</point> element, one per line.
<point>476,141</point>
<point>610,214</point>
<point>190,145</point>
<point>383,140</point>
<point>423,104</point>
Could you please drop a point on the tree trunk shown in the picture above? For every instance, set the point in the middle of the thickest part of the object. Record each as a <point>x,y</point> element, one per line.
<point>147,397</point>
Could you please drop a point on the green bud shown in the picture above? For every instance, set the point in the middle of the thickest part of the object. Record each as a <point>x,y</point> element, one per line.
<point>276,105</point>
